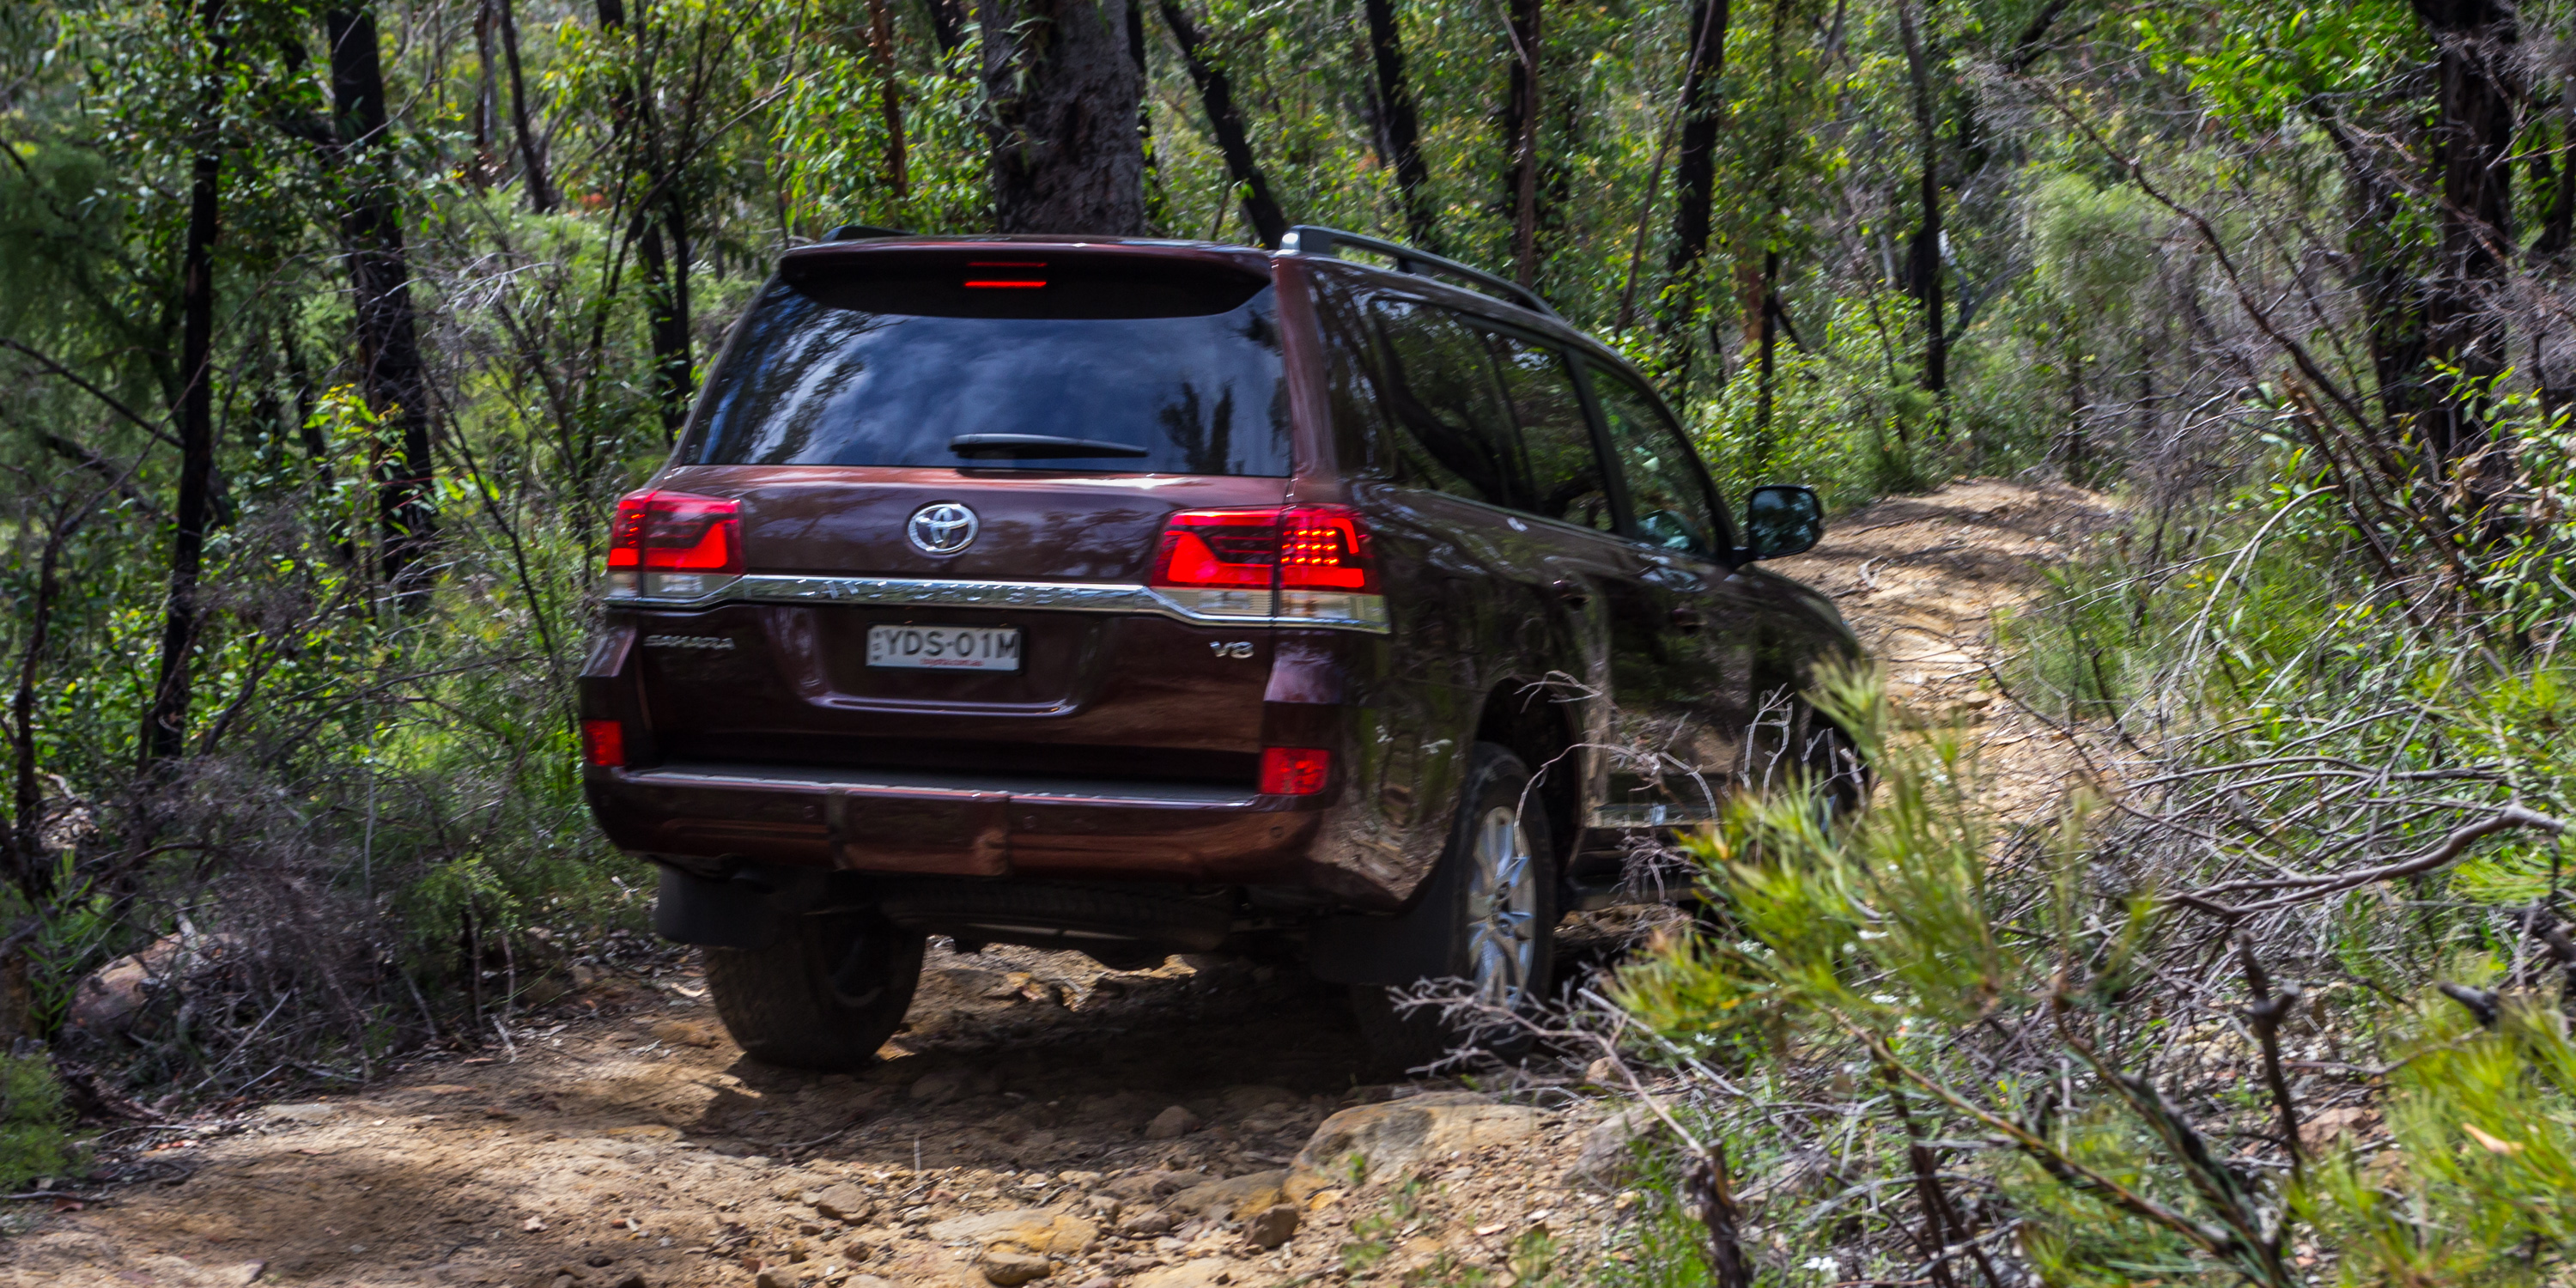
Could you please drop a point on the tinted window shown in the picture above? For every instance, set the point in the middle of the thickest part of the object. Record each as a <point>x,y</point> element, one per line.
<point>1564,468</point>
<point>1455,433</point>
<point>892,366</point>
<point>1666,489</point>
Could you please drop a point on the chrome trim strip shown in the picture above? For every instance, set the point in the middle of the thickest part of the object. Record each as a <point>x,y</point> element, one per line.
<point>1626,816</point>
<point>1019,790</point>
<point>1306,608</point>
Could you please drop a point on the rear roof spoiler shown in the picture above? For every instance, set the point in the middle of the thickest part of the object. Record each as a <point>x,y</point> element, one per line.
<point>1311,239</point>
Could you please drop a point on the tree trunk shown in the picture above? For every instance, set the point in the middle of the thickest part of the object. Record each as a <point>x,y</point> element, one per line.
<point>165,726</point>
<point>1695,165</point>
<point>2384,278</point>
<point>659,232</point>
<point>1158,198</point>
<point>1520,138</point>
<point>947,23</point>
<point>390,373</point>
<point>1066,157</point>
<point>2472,148</point>
<point>881,44</point>
<point>532,157</point>
<point>1927,239</point>
<point>1216,94</point>
<point>1400,127</point>
<point>487,112</point>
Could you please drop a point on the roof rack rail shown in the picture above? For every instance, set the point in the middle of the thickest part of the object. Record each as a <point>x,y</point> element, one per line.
<point>1312,239</point>
<point>862,232</point>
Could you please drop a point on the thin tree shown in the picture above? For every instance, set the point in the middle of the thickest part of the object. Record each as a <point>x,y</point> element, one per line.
<point>890,98</point>
<point>1399,127</point>
<point>1520,137</point>
<point>2472,142</point>
<point>532,157</point>
<point>1695,160</point>
<point>1216,95</point>
<point>1064,93</point>
<point>390,372</point>
<point>1925,264</point>
<point>658,227</point>
<point>165,724</point>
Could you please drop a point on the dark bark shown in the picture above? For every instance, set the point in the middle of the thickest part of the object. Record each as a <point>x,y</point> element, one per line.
<point>881,44</point>
<point>1064,92</point>
<point>2384,278</point>
<point>532,157</point>
<point>1926,259</point>
<point>1400,127</point>
<point>28,869</point>
<point>1158,199</point>
<point>165,724</point>
<point>947,23</point>
<point>659,231</point>
<point>2472,147</point>
<point>1695,163</point>
<point>2558,175</point>
<point>390,372</point>
<point>1520,137</point>
<point>1711,1196</point>
<point>1216,95</point>
<point>487,124</point>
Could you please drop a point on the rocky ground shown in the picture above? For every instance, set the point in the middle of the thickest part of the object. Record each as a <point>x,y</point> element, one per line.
<point>1196,1124</point>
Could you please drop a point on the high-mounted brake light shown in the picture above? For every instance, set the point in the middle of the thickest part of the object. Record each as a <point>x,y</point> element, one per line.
<point>1310,563</point>
<point>673,544</point>
<point>1004,283</point>
<point>1294,771</point>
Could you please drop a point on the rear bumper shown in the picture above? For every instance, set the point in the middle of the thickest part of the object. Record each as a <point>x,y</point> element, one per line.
<point>950,824</point>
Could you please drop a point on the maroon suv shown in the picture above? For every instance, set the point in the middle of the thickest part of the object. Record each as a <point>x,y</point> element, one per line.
<point>1142,597</point>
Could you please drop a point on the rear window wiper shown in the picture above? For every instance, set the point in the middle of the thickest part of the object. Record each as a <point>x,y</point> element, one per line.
<point>1038,445</point>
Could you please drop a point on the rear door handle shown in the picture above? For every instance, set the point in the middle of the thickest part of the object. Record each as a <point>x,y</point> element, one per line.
<point>1573,593</point>
<point>1687,620</point>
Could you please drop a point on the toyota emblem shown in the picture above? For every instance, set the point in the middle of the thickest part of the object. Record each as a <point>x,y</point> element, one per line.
<point>942,528</point>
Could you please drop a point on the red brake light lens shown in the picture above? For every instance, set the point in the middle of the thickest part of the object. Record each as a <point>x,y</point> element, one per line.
<point>1323,547</point>
<point>1231,549</point>
<point>676,532</point>
<point>1294,771</point>
<point>1305,547</point>
<point>603,743</point>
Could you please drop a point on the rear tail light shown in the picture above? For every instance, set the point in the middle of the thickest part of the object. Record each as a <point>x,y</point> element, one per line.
<point>1307,562</point>
<point>673,545</point>
<point>1294,771</point>
<point>603,743</point>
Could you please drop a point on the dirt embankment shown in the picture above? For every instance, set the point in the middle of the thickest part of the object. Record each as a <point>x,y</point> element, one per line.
<point>1040,1117</point>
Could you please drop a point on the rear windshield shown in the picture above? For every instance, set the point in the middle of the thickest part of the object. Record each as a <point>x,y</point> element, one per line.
<point>1005,360</point>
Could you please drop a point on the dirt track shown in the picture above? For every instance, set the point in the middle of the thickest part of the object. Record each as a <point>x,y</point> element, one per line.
<point>622,1139</point>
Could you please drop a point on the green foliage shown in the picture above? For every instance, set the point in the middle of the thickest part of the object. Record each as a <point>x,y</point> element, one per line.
<point>33,1139</point>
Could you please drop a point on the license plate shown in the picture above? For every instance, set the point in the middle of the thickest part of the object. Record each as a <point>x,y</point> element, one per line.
<point>945,648</point>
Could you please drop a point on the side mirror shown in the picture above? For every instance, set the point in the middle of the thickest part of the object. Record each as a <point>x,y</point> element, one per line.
<point>1782,519</point>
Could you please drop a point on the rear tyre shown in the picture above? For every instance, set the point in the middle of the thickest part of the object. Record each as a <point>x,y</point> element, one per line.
<point>1496,892</point>
<point>824,995</point>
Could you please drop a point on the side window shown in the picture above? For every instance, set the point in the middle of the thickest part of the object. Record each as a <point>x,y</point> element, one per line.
<point>1455,433</point>
<point>1665,487</point>
<point>1565,480</point>
<point>1351,379</point>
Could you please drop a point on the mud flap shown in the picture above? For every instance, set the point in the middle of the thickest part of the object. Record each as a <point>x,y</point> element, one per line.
<point>743,911</point>
<point>1411,946</point>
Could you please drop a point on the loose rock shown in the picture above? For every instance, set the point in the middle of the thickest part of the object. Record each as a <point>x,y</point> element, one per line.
<point>1146,1222</point>
<point>845,1203</point>
<point>1027,1229</point>
<point>1011,1269</point>
<point>1172,1124</point>
<point>1395,1135</point>
<point>1272,1225</point>
<point>1232,1200</point>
